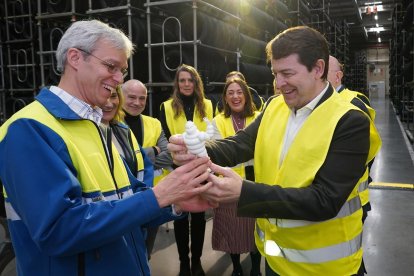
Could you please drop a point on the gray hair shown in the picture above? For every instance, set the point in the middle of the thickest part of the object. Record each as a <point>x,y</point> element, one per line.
<point>85,35</point>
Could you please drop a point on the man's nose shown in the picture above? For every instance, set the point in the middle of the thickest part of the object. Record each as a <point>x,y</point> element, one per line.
<point>280,81</point>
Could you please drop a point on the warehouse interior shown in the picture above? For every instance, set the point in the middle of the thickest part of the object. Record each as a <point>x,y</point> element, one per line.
<point>373,39</point>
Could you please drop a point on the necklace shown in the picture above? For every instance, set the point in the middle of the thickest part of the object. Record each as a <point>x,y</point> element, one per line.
<point>238,123</point>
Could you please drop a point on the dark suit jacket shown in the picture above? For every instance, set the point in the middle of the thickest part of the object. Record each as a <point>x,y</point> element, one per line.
<point>333,183</point>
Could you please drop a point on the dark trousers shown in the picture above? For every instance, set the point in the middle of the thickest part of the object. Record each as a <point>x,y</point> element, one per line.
<point>182,231</point>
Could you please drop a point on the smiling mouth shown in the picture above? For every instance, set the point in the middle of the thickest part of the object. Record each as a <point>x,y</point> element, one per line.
<point>288,91</point>
<point>109,88</point>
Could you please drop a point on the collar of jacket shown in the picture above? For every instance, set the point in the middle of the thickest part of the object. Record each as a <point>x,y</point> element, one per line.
<point>324,97</point>
<point>55,105</point>
<point>341,88</point>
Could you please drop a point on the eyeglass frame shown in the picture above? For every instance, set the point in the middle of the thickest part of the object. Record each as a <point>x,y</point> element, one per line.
<point>112,68</point>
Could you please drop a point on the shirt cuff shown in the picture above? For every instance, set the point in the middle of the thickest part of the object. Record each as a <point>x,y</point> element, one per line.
<point>174,212</point>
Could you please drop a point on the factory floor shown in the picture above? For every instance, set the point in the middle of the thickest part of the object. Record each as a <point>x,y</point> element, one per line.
<point>388,232</point>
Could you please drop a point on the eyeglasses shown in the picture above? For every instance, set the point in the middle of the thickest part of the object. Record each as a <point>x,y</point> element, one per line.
<point>112,69</point>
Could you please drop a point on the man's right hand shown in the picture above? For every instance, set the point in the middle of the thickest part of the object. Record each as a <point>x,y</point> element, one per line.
<point>183,183</point>
<point>178,150</point>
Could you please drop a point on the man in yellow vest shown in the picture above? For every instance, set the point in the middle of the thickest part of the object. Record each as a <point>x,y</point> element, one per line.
<point>310,150</point>
<point>150,136</point>
<point>72,206</point>
<point>335,75</point>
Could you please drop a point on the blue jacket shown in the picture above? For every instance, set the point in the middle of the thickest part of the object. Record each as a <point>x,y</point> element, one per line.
<point>57,227</point>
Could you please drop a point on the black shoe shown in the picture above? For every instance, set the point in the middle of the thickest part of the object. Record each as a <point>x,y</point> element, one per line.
<point>197,269</point>
<point>237,273</point>
<point>185,269</point>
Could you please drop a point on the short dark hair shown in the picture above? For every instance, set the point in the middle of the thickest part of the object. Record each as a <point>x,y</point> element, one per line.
<point>309,44</point>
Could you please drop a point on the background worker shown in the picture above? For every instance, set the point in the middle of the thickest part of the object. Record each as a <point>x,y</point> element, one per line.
<point>335,75</point>
<point>310,150</point>
<point>70,201</point>
<point>231,234</point>
<point>187,103</point>
<point>257,99</point>
<point>150,136</point>
<point>124,140</point>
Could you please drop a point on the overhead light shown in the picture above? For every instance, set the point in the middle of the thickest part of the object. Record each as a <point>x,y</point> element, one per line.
<point>371,8</point>
<point>379,29</point>
<point>379,39</point>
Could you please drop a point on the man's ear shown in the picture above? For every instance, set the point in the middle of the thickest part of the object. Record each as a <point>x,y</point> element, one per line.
<point>339,75</point>
<point>319,68</point>
<point>73,57</point>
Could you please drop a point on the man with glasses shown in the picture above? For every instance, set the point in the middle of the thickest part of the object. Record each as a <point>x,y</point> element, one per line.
<point>112,68</point>
<point>72,206</point>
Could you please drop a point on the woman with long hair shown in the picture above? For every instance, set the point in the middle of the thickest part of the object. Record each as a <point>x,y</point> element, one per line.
<point>232,234</point>
<point>187,103</point>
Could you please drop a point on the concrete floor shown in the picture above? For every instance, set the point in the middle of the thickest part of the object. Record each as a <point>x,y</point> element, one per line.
<point>388,233</point>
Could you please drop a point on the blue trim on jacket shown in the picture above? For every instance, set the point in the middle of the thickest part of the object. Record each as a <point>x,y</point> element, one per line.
<point>55,226</point>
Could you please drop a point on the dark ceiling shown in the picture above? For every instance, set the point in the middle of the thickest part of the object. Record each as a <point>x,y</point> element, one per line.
<point>354,12</point>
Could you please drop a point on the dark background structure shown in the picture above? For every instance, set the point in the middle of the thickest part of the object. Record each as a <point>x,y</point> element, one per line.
<point>215,36</point>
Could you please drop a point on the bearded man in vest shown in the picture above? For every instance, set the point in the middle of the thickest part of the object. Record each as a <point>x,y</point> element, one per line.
<point>310,150</point>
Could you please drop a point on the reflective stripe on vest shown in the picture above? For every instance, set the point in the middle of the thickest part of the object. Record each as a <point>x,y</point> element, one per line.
<point>350,207</point>
<point>315,256</point>
<point>363,186</point>
<point>12,214</point>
